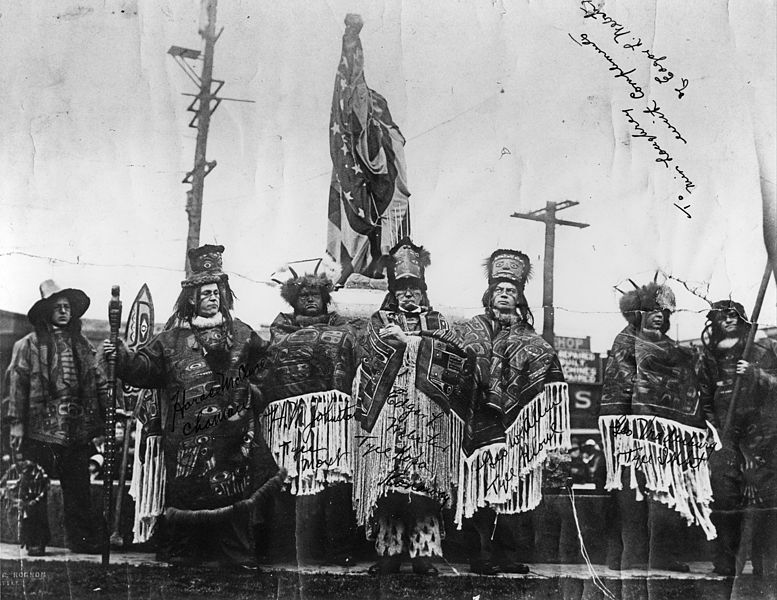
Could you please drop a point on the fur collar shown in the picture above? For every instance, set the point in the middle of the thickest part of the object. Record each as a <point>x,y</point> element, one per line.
<point>208,322</point>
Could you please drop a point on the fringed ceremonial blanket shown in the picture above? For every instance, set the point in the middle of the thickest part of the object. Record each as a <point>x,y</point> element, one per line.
<point>306,381</point>
<point>410,414</point>
<point>518,412</point>
<point>148,467</point>
<point>652,422</point>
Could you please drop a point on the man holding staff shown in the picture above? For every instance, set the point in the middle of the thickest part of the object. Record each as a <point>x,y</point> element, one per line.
<point>744,471</point>
<point>200,443</point>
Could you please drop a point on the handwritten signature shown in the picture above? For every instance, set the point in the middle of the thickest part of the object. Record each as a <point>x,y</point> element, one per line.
<point>646,428</point>
<point>619,30</point>
<point>624,38</point>
<point>224,383</point>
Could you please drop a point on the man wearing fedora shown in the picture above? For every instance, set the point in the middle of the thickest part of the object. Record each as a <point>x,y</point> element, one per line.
<point>56,399</point>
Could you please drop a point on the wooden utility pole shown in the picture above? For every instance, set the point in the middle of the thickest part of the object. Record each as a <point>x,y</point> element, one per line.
<point>194,206</point>
<point>547,215</point>
<point>203,109</point>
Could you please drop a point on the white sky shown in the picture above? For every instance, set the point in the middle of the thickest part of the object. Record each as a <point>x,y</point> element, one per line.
<point>95,145</point>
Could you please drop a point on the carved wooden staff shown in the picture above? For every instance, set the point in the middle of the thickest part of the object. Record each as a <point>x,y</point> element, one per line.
<point>748,345</point>
<point>114,320</point>
<point>117,541</point>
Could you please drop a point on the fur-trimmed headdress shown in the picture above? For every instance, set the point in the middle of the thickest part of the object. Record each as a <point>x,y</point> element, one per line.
<point>205,263</point>
<point>407,262</point>
<point>512,266</point>
<point>649,297</point>
<point>322,278</point>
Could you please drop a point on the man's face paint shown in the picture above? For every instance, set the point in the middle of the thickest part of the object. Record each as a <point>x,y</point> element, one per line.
<point>208,300</point>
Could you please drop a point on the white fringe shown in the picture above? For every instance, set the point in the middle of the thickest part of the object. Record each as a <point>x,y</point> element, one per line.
<point>682,482</point>
<point>148,485</point>
<point>309,435</point>
<point>429,455</point>
<point>507,476</point>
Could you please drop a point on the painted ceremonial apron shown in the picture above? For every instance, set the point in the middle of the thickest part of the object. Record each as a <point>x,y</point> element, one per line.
<point>653,427</point>
<point>306,380</point>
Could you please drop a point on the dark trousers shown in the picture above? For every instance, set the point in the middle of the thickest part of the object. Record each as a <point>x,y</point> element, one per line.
<point>503,539</point>
<point>70,464</point>
<point>34,529</point>
<point>325,524</point>
<point>229,542</point>
<point>641,531</point>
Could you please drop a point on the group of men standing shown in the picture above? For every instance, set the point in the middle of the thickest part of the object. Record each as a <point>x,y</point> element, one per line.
<point>386,427</point>
<point>381,430</point>
<point>678,451</point>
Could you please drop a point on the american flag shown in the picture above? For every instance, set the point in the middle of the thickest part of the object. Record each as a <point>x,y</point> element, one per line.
<point>368,196</point>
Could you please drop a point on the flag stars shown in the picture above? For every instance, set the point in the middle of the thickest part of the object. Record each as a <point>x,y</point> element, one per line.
<point>343,85</point>
<point>335,128</point>
<point>356,169</point>
<point>344,148</point>
<point>348,196</point>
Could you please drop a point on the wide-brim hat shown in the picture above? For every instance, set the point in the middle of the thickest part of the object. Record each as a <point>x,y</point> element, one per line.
<point>49,292</point>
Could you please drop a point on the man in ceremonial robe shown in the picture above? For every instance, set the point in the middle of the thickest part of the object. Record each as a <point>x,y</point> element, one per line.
<point>409,421</point>
<point>744,471</point>
<point>200,444</point>
<point>57,396</point>
<point>656,441</point>
<point>306,380</point>
<point>517,414</point>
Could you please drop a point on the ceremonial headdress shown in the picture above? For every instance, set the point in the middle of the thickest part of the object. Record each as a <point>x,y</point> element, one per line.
<point>205,263</point>
<point>49,293</point>
<point>321,279</point>
<point>649,297</point>
<point>406,263</point>
<point>510,266</point>
<point>721,307</point>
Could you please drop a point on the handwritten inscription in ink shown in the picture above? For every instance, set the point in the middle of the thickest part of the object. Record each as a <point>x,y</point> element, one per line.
<point>621,65</point>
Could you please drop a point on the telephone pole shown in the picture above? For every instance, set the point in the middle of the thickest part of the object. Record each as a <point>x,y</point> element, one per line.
<point>547,215</point>
<point>201,106</point>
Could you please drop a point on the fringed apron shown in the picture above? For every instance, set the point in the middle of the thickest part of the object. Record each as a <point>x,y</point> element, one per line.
<point>519,411</point>
<point>306,382</point>
<point>652,422</point>
<point>410,415</point>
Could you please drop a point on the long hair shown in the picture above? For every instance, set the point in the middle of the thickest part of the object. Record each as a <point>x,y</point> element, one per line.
<point>713,332</point>
<point>185,308</point>
<point>521,308</point>
<point>292,288</point>
<point>44,331</point>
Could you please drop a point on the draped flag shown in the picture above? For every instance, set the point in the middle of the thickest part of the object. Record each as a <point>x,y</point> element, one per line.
<point>368,196</point>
